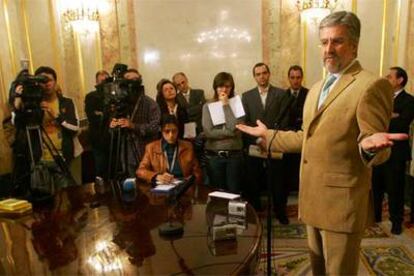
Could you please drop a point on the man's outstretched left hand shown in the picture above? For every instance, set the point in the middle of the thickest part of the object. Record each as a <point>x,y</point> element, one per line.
<point>381,140</point>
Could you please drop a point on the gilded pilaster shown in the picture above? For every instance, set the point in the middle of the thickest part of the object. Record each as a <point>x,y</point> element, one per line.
<point>110,40</point>
<point>410,48</point>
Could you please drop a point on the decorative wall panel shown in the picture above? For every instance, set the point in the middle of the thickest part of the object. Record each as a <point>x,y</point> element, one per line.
<point>200,38</point>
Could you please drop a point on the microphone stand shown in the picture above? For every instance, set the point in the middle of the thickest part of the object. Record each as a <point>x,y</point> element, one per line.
<point>269,188</point>
<point>175,228</point>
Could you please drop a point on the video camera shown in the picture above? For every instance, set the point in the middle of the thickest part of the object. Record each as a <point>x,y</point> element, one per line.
<point>32,93</point>
<point>120,94</point>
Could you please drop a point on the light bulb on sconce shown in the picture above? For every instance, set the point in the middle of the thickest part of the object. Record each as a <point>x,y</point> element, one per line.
<point>82,15</point>
<point>315,9</point>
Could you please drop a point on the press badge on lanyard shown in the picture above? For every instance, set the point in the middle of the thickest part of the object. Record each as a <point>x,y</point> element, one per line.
<point>170,167</point>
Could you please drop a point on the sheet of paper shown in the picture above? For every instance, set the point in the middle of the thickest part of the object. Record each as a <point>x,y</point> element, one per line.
<point>190,130</point>
<point>237,106</point>
<point>177,181</point>
<point>216,113</point>
<point>224,195</point>
<point>163,187</point>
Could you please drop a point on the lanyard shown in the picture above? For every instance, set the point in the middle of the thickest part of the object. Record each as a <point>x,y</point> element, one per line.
<point>170,168</point>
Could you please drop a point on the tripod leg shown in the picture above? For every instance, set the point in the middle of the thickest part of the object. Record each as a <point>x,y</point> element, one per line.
<point>35,178</point>
<point>109,173</point>
<point>134,151</point>
<point>114,161</point>
<point>57,157</point>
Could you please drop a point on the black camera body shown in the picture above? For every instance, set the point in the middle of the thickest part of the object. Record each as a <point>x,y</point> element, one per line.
<point>119,94</point>
<point>32,95</point>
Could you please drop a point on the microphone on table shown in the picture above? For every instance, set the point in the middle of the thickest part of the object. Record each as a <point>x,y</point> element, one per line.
<point>172,229</point>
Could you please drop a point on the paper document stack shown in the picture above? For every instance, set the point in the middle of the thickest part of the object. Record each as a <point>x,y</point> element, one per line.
<point>15,206</point>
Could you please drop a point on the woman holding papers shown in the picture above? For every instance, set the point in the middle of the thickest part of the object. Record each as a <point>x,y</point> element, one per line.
<point>224,144</point>
<point>167,101</point>
<point>168,158</point>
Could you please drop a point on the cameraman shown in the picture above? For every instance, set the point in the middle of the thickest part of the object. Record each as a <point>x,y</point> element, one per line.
<point>57,117</point>
<point>98,124</point>
<point>143,124</point>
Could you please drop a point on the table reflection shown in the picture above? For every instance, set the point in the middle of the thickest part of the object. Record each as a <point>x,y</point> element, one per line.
<point>86,233</point>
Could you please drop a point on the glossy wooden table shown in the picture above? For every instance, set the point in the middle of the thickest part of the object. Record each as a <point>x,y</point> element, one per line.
<point>90,234</point>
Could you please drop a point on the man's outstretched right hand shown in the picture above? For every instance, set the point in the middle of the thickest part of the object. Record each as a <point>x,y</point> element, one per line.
<point>257,131</point>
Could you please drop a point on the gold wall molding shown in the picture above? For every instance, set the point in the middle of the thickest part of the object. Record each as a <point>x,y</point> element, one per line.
<point>304,49</point>
<point>117,5</point>
<point>80,63</point>
<point>132,35</point>
<point>397,33</point>
<point>109,36</point>
<point>3,92</point>
<point>54,39</point>
<point>12,54</point>
<point>409,44</point>
<point>354,6</point>
<point>283,31</point>
<point>98,51</point>
<point>265,31</point>
<point>26,34</point>
<point>383,34</point>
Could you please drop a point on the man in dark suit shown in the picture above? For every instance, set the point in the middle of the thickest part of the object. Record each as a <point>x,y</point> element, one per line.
<point>390,176</point>
<point>191,99</point>
<point>264,103</point>
<point>98,125</point>
<point>291,161</point>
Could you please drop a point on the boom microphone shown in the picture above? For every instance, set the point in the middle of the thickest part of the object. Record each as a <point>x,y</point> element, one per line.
<point>283,112</point>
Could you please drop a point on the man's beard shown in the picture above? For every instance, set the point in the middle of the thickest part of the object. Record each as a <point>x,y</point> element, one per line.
<point>332,67</point>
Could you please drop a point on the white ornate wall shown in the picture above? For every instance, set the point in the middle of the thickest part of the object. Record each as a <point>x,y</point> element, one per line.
<point>200,38</point>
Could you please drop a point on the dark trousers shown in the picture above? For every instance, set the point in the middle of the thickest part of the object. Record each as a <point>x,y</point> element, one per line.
<point>291,168</point>
<point>226,172</point>
<point>100,158</point>
<point>258,175</point>
<point>390,178</point>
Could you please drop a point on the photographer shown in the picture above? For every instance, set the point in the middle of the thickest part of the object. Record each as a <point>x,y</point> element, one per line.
<point>142,125</point>
<point>55,116</point>
<point>98,124</point>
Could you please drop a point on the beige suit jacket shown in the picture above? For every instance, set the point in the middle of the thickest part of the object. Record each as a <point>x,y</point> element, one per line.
<point>335,178</point>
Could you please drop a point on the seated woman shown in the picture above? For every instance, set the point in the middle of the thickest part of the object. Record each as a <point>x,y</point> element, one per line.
<point>167,101</point>
<point>169,157</point>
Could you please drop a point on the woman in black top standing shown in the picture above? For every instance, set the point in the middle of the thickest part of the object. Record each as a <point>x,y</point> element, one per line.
<point>167,101</point>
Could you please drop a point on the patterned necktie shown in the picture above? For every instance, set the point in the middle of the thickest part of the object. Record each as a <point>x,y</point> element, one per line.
<point>325,89</point>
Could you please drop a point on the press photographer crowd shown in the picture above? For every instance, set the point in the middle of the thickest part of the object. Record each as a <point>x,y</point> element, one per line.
<point>131,135</point>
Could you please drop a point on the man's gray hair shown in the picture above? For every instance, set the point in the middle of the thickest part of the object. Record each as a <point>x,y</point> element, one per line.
<point>345,18</point>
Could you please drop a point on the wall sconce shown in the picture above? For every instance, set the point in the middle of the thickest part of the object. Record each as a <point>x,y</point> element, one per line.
<point>82,15</point>
<point>315,9</point>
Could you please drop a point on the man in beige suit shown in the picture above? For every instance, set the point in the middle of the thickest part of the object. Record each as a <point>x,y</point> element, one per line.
<point>344,122</point>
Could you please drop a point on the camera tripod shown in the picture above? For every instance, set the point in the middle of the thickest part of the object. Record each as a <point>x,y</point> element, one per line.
<point>37,140</point>
<point>120,142</point>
